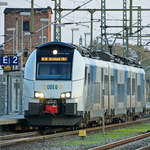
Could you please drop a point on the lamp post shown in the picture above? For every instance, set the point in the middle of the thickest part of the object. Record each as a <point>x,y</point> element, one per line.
<point>22,14</point>
<point>13,30</point>
<point>74,29</point>
<point>42,34</point>
<point>2,4</point>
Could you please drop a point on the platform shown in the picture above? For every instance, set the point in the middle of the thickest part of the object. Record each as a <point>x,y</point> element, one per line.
<point>11,119</point>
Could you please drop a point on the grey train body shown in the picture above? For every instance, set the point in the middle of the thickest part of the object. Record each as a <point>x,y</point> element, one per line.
<point>82,89</point>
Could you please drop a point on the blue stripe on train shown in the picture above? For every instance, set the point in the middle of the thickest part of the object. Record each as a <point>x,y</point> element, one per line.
<point>93,70</point>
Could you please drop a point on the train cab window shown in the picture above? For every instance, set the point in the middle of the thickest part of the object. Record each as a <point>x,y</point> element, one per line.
<point>54,70</point>
<point>43,70</point>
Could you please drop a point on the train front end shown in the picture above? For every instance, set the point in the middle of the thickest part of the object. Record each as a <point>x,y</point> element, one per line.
<point>52,94</point>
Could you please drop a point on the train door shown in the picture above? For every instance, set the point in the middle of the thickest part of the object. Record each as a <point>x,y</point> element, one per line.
<point>92,90</point>
<point>121,109</point>
<point>115,89</point>
<point>96,91</point>
<point>100,81</point>
<point>126,88</point>
<point>86,84</point>
<point>140,93</point>
<point>147,93</point>
<point>102,92</point>
<point>106,90</point>
<point>129,92</point>
<point>112,91</point>
<point>137,103</point>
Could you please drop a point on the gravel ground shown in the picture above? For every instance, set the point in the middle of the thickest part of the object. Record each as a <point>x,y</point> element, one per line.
<point>56,144</point>
<point>49,145</point>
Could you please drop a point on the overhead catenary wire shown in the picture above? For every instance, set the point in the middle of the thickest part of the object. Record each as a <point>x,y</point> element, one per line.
<point>94,20</point>
<point>78,7</point>
<point>80,22</point>
<point>73,10</point>
<point>119,33</point>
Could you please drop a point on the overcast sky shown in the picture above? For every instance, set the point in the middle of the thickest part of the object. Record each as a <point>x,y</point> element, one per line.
<point>82,16</point>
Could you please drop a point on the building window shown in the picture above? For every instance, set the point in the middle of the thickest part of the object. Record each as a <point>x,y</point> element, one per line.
<point>25,53</point>
<point>26,26</point>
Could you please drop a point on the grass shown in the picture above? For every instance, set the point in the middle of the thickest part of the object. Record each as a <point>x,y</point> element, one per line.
<point>98,138</point>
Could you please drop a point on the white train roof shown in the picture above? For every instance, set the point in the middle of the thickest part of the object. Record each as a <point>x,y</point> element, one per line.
<point>105,64</point>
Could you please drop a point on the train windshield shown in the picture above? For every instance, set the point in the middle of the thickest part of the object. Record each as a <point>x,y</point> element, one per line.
<point>54,70</point>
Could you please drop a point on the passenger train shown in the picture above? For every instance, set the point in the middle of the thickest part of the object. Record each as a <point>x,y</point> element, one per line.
<point>68,86</point>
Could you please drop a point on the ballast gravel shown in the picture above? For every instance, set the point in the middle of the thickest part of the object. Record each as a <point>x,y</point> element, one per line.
<point>49,145</point>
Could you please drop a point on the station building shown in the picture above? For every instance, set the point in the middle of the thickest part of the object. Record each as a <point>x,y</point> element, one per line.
<point>14,20</point>
<point>14,17</point>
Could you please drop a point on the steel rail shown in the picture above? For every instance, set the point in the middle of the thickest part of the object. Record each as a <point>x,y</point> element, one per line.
<point>144,148</point>
<point>121,142</point>
<point>19,135</point>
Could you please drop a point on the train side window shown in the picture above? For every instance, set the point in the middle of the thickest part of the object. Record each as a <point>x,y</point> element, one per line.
<point>139,93</point>
<point>102,71</point>
<point>106,84</point>
<point>88,78</point>
<point>133,86</point>
<point>86,74</point>
<point>128,86</point>
<point>112,86</point>
<point>120,92</point>
<point>92,72</point>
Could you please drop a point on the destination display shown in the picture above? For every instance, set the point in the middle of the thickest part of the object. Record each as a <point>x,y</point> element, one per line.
<point>54,58</point>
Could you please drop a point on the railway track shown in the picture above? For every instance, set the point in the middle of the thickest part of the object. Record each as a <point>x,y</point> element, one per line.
<point>144,148</point>
<point>122,142</point>
<point>35,136</point>
<point>20,135</point>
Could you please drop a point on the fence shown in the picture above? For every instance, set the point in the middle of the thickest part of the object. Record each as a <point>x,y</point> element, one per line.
<point>9,92</point>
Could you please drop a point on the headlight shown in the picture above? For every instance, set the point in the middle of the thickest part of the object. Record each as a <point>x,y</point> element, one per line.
<point>38,94</point>
<point>65,95</point>
<point>55,52</point>
<point>68,95</point>
<point>62,95</point>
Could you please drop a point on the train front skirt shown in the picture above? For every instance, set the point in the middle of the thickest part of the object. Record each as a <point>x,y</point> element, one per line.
<point>52,115</point>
